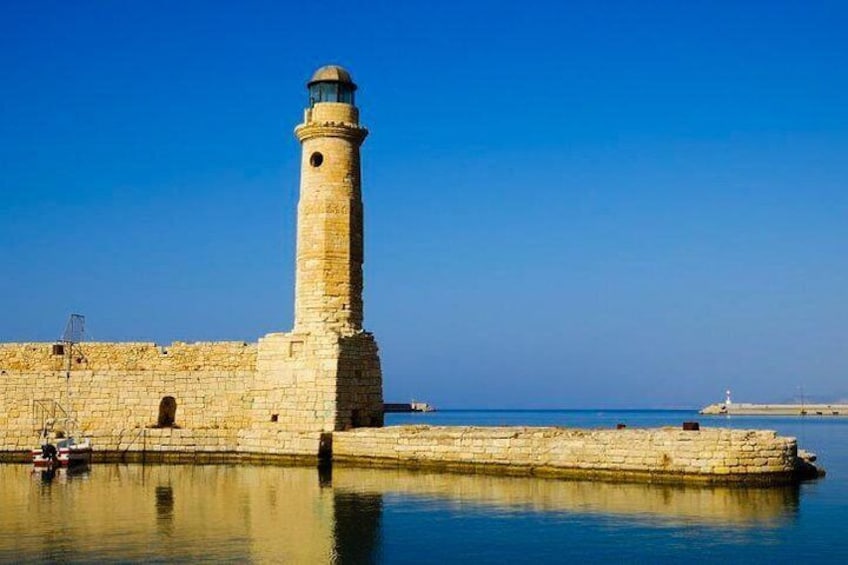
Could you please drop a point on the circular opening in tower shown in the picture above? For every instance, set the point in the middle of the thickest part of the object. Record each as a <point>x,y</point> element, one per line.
<point>316,159</point>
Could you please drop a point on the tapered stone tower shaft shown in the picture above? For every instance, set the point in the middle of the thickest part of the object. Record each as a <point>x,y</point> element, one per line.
<point>328,286</point>
<point>325,374</point>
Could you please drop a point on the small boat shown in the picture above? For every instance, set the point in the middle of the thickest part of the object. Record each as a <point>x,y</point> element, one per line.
<point>58,446</point>
<point>62,453</point>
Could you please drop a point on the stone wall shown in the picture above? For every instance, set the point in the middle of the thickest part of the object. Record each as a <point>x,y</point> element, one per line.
<point>281,397</point>
<point>129,356</point>
<point>329,281</point>
<point>318,382</point>
<point>275,397</point>
<point>666,454</point>
<point>107,387</point>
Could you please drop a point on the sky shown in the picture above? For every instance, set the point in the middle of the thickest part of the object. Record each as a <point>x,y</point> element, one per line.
<point>567,204</point>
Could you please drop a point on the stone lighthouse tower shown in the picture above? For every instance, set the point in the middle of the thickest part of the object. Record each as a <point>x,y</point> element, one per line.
<point>328,288</point>
<point>325,374</point>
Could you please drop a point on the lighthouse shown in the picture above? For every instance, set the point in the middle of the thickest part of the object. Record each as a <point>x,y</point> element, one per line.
<point>328,285</point>
<point>325,374</point>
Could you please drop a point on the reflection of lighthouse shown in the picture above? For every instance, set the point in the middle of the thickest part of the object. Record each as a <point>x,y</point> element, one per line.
<point>727,401</point>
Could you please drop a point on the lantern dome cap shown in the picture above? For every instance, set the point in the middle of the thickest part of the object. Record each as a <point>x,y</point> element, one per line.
<point>332,73</point>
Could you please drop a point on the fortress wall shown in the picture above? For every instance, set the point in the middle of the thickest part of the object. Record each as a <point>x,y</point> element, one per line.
<point>665,454</point>
<point>165,442</point>
<point>278,397</point>
<point>129,356</point>
<point>115,388</point>
<point>261,441</point>
<point>271,398</point>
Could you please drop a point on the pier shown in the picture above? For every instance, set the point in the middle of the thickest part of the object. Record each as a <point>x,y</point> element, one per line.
<point>748,409</point>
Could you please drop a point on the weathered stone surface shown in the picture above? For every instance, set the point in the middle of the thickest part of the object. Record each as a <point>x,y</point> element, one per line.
<point>328,285</point>
<point>665,454</point>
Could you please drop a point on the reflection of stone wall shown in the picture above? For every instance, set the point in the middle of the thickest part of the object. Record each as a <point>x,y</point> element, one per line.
<point>712,455</point>
<point>262,514</point>
<point>356,525</point>
<point>667,503</point>
<point>272,514</point>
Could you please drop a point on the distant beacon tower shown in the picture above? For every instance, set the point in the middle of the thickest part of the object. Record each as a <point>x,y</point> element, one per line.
<point>328,285</point>
<point>325,374</point>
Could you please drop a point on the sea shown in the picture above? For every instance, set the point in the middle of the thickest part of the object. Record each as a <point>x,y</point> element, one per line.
<point>240,513</point>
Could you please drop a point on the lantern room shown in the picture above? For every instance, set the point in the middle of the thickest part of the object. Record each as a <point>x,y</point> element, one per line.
<point>331,84</point>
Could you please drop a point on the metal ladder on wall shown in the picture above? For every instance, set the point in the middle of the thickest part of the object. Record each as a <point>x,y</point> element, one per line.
<point>47,414</point>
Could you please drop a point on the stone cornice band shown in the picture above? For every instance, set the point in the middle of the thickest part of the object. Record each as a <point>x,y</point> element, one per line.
<point>330,129</point>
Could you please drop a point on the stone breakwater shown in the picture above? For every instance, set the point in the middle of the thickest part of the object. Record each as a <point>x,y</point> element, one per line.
<point>657,455</point>
<point>296,396</point>
<point>663,455</point>
<point>747,409</point>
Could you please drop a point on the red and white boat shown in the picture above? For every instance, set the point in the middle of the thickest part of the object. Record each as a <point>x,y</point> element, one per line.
<point>58,447</point>
<point>65,452</point>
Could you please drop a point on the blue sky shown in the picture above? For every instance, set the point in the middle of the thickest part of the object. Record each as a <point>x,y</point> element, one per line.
<point>568,204</point>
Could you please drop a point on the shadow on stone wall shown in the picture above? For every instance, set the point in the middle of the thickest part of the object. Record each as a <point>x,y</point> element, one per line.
<point>359,392</point>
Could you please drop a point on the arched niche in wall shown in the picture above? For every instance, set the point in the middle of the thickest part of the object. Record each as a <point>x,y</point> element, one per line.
<point>167,412</point>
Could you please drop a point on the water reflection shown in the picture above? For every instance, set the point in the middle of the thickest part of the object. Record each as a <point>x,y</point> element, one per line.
<point>47,475</point>
<point>356,530</point>
<point>303,515</point>
<point>165,509</point>
<point>60,474</point>
<point>724,506</point>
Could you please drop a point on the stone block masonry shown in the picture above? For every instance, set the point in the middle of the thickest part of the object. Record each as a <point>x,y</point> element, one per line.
<point>281,398</point>
<point>330,254</point>
<point>318,382</point>
<point>655,455</point>
<point>272,398</point>
<point>119,386</point>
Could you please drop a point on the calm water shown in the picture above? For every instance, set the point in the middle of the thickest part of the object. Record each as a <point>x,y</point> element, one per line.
<point>159,513</point>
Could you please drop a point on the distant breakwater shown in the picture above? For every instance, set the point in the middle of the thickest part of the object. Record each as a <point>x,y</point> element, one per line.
<point>749,409</point>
